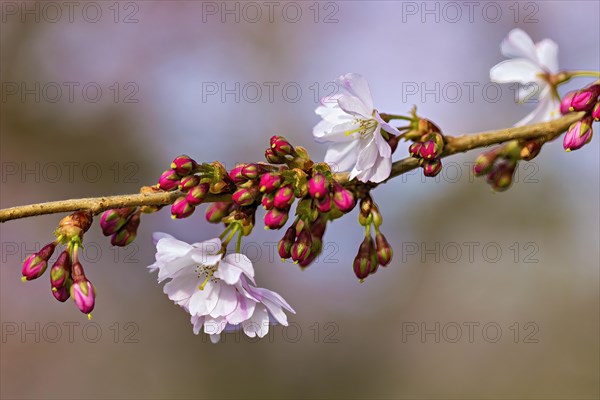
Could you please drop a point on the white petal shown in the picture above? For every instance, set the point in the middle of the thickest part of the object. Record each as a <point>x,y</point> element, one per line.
<point>358,86</point>
<point>385,126</point>
<point>212,246</point>
<point>258,324</point>
<point>241,262</point>
<point>546,110</point>
<point>340,133</point>
<point>182,287</point>
<point>172,268</point>
<point>169,246</point>
<point>382,145</point>
<point>547,55</point>
<point>517,70</point>
<point>381,170</point>
<point>367,155</point>
<point>342,156</point>
<point>262,293</point>
<point>204,301</point>
<point>353,105</point>
<point>214,326</point>
<point>197,322</point>
<point>518,44</point>
<point>156,236</point>
<point>215,338</point>
<point>226,303</point>
<point>244,310</point>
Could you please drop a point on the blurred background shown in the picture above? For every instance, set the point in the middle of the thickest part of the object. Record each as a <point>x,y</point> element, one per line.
<point>488,296</point>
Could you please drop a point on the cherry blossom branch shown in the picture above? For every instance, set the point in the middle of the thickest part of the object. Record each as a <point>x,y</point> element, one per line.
<point>454,144</point>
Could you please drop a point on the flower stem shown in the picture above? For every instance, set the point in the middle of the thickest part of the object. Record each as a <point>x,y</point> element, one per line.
<point>584,73</point>
<point>238,243</point>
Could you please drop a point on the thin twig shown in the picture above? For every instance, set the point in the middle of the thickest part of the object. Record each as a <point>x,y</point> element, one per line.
<point>455,144</point>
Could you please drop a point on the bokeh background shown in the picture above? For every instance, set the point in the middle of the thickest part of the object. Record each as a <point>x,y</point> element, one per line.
<point>488,296</point>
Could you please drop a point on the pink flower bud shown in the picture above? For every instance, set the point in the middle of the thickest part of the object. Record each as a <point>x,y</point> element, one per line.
<point>269,182</point>
<point>432,167</point>
<point>578,134</point>
<point>127,233</point>
<point>60,272</point>
<point>276,218</point>
<point>112,220</point>
<point>237,175</point>
<point>428,150</point>
<point>596,112</point>
<point>415,149</point>
<point>284,197</point>
<point>284,247</point>
<point>35,265</point>
<point>585,99</point>
<point>485,162</point>
<point>250,171</point>
<point>384,250</point>
<point>181,208</point>
<point>188,182</point>
<point>84,295</point>
<point>301,249</point>
<point>281,147</point>
<point>324,203</point>
<point>169,180</point>
<point>565,103</point>
<point>245,196</point>
<point>318,186</point>
<point>501,176</point>
<point>268,201</point>
<point>184,165</point>
<point>273,158</point>
<point>217,211</point>
<point>363,260</point>
<point>63,293</point>
<point>197,194</point>
<point>343,198</point>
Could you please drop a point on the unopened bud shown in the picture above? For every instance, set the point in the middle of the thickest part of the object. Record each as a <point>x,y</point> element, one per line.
<point>112,220</point>
<point>276,218</point>
<point>500,178</point>
<point>35,265</point>
<point>530,150</point>
<point>72,227</point>
<point>184,165</point>
<point>301,249</point>
<point>268,201</point>
<point>428,150</point>
<point>127,234</point>
<point>82,291</point>
<point>415,149</point>
<point>485,162</point>
<point>281,147</point>
<point>579,134</point>
<point>284,197</point>
<point>188,182</point>
<point>269,182</point>
<point>284,247</point>
<point>384,250</point>
<point>585,99</point>
<point>245,196</point>
<point>60,273</point>
<point>273,158</point>
<point>343,198</point>
<point>324,203</point>
<point>318,186</point>
<point>215,212</point>
<point>169,180</point>
<point>181,208</point>
<point>565,103</point>
<point>62,294</point>
<point>197,194</point>
<point>363,260</point>
<point>432,167</point>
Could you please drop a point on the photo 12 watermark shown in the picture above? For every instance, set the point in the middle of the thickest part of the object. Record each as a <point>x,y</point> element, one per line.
<point>469,332</point>
<point>69,332</point>
<point>53,12</point>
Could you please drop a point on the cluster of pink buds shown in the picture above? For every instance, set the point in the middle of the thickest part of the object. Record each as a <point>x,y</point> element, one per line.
<point>195,181</point>
<point>303,241</point>
<point>587,100</point>
<point>428,147</point>
<point>67,278</point>
<point>121,225</point>
<point>499,164</point>
<point>371,253</point>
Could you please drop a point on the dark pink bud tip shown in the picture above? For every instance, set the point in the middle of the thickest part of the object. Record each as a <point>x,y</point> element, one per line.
<point>415,149</point>
<point>343,198</point>
<point>284,197</point>
<point>324,203</point>
<point>273,158</point>
<point>60,272</point>
<point>61,294</point>
<point>184,165</point>
<point>596,112</point>
<point>318,186</point>
<point>301,249</point>
<point>432,167</point>
<point>284,247</point>
<point>35,265</point>
<point>181,208</point>
<point>579,134</point>
<point>197,194</point>
<point>127,234</point>
<point>428,150</point>
<point>269,182</point>
<point>585,99</point>
<point>112,220</point>
<point>169,180</point>
<point>244,197</point>
<point>84,295</point>
<point>276,218</point>
<point>281,147</point>
<point>565,103</point>
<point>217,211</point>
